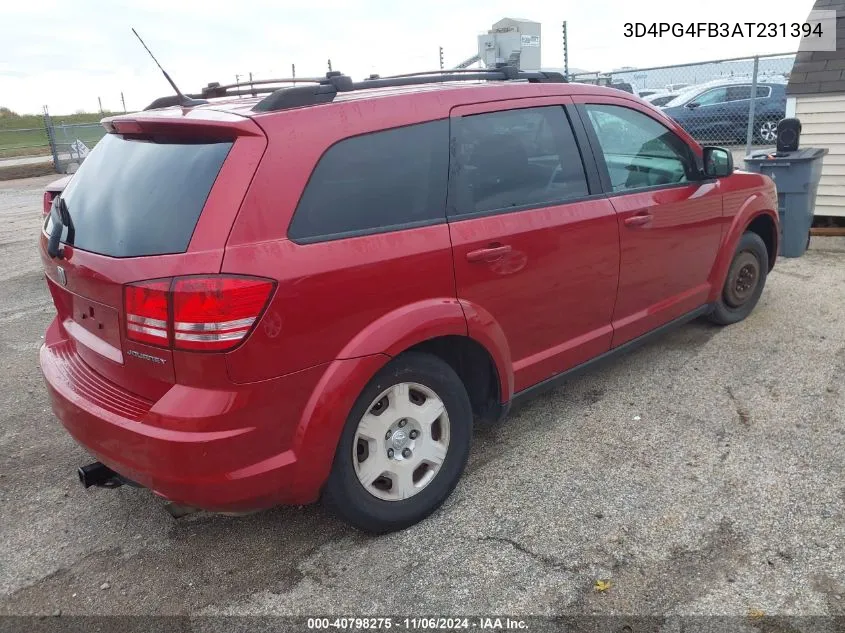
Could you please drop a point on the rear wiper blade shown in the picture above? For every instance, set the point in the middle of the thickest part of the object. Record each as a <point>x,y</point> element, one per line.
<point>61,219</point>
<point>67,221</point>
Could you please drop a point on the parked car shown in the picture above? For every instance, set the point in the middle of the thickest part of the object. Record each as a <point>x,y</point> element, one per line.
<point>318,293</point>
<point>52,191</point>
<point>660,99</point>
<point>719,111</point>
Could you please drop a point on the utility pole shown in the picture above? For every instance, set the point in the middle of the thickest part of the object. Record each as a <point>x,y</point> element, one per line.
<point>330,65</point>
<point>749,135</point>
<point>251,87</point>
<point>238,81</point>
<point>123,101</point>
<point>293,71</point>
<point>100,101</point>
<point>565,52</point>
<point>441,58</point>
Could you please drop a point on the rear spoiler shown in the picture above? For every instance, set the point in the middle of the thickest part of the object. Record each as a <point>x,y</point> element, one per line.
<point>222,126</point>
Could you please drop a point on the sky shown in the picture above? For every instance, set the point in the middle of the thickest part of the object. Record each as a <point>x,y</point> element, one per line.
<point>67,54</point>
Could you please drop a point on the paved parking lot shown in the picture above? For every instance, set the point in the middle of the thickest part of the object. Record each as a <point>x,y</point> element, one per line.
<point>700,474</point>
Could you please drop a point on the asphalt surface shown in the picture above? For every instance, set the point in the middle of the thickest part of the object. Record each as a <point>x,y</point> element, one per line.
<point>701,474</point>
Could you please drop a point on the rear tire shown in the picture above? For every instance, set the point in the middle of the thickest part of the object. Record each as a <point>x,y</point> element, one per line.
<point>404,446</point>
<point>745,281</point>
<point>766,132</point>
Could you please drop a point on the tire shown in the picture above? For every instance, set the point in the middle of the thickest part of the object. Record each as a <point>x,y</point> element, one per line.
<point>744,282</point>
<point>406,482</point>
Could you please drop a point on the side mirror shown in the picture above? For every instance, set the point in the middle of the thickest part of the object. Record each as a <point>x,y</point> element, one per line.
<point>692,105</point>
<point>718,162</point>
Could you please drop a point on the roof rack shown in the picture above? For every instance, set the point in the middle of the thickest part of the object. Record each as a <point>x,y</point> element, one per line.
<point>252,88</point>
<point>326,89</point>
<point>292,92</point>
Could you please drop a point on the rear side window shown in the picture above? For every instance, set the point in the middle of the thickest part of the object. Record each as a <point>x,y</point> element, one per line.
<point>515,159</point>
<point>738,93</point>
<point>141,197</point>
<point>376,182</point>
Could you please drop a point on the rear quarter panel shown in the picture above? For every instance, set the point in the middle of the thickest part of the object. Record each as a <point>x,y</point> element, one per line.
<point>344,298</point>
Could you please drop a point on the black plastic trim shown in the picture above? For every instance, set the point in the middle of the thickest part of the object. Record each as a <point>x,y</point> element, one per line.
<point>588,158</point>
<point>460,217</point>
<point>377,230</point>
<point>557,380</point>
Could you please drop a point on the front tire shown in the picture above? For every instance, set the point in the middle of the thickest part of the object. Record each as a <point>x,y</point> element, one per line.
<point>404,446</point>
<point>745,281</point>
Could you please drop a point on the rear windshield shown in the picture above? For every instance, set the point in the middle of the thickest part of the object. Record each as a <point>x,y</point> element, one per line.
<point>141,197</point>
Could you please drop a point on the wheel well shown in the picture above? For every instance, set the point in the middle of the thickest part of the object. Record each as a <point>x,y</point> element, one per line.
<point>476,369</point>
<point>763,226</point>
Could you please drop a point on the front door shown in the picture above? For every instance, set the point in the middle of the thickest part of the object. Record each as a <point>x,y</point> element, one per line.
<point>670,222</point>
<point>536,248</point>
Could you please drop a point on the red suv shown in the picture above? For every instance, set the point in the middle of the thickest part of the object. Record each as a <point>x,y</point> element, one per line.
<point>318,291</point>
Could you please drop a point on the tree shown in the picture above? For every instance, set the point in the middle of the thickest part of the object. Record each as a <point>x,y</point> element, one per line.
<point>6,113</point>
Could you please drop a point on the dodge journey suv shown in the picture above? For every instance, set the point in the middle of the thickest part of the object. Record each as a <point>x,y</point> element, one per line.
<point>316,292</point>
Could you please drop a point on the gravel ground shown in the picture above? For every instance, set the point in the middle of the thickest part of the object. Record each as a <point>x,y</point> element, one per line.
<point>701,474</point>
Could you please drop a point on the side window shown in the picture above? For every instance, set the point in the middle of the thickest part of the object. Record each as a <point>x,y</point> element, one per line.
<point>514,158</point>
<point>764,92</point>
<point>739,93</point>
<point>639,151</point>
<point>376,182</point>
<point>711,97</point>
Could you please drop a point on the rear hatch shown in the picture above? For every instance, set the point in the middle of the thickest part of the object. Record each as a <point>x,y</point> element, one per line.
<point>155,200</point>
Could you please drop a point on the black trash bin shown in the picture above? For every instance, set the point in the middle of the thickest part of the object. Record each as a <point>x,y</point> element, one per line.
<point>796,176</point>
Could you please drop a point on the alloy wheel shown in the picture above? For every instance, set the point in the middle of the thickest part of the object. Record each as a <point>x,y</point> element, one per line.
<point>768,131</point>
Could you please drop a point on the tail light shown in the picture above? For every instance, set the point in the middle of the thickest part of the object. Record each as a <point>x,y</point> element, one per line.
<point>146,311</point>
<point>47,201</point>
<point>204,313</point>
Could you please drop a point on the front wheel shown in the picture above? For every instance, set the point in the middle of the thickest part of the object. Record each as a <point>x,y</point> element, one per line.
<point>404,446</point>
<point>745,281</point>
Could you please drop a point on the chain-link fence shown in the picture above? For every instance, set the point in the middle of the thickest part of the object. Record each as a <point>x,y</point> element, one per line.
<point>33,144</point>
<point>72,142</point>
<point>731,102</point>
<point>24,146</point>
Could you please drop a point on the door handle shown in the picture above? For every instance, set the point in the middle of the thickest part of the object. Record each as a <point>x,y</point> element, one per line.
<point>489,254</point>
<point>639,220</point>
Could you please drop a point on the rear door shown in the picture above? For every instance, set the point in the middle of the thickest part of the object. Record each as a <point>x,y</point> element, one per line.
<point>670,223</point>
<point>154,202</point>
<point>536,245</point>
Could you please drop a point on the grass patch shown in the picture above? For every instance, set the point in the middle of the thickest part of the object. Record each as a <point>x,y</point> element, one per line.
<point>24,152</point>
<point>27,171</point>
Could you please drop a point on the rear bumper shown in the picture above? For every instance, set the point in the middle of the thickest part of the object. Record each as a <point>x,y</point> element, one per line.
<point>242,449</point>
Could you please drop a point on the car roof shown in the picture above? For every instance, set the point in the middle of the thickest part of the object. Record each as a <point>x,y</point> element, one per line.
<point>732,81</point>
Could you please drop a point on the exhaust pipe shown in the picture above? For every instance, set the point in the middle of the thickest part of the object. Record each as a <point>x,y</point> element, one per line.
<point>100,475</point>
